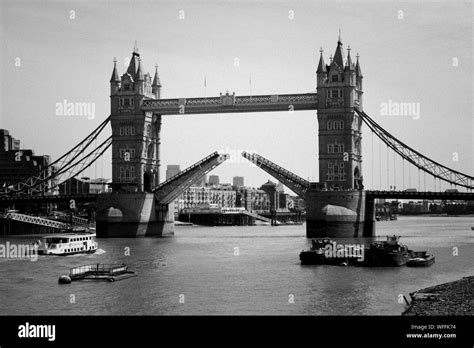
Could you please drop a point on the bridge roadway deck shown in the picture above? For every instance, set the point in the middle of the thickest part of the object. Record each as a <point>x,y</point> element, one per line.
<point>91,197</point>
<point>429,195</point>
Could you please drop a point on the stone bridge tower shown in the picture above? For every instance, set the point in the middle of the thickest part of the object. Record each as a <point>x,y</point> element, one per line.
<point>133,211</point>
<point>338,207</point>
<point>135,133</point>
<point>339,88</point>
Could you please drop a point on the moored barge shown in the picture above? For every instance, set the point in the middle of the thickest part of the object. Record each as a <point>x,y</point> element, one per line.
<point>97,271</point>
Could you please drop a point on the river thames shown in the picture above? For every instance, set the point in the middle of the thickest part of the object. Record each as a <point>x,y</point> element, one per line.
<point>236,271</point>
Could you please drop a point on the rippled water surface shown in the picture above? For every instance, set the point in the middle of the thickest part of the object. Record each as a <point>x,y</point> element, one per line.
<point>200,265</point>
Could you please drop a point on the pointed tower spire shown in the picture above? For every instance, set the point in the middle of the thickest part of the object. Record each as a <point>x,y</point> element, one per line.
<point>357,67</point>
<point>339,52</point>
<point>321,65</point>
<point>134,62</point>
<point>156,85</point>
<point>115,75</point>
<point>156,79</point>
<point>349,64</point>
<point>139,76</point>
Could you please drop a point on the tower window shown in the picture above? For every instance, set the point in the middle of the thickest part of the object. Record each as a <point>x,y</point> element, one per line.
<point>329,125</point>
<point>122,131</point>
<point>132,130</point>
<point>335,78</point>
<point>334,93</point>
<point>126,87</point>
<point>330,148</point>
<point>127,130</point>
<point>126,102</point>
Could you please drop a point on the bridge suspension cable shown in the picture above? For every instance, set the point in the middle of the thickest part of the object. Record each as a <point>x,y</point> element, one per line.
<point>69,165</point>
<point>420,161</point>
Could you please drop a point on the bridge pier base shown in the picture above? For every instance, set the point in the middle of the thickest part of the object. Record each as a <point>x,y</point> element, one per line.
<point>125,215</point>
<point>339,214</point>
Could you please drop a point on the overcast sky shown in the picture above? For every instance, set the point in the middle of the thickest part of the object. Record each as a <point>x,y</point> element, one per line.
<point>418,52</point>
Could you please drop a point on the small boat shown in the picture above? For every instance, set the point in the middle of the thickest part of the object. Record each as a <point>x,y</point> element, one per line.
<point>420,259</point>
<point>327,252</point>
<point>315,256</point>
<point>97,271</point>
<point>68,244</point>
<point>387,253</point>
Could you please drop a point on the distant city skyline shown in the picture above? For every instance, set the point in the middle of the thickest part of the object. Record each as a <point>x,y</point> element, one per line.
<point>54,53</point>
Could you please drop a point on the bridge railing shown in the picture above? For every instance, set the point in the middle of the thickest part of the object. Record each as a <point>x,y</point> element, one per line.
<point>461,196</point>
<point>36,220</point>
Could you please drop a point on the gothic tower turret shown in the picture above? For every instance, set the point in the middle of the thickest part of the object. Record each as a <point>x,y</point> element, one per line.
<point>339,89</point>
<point>359,77</point>
<point>135,133</point>
<point>321,72</point>
<point>156,85</point>
<point>114,80</point>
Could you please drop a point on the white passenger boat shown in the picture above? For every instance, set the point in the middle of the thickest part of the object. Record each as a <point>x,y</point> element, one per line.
<point>68,244</point>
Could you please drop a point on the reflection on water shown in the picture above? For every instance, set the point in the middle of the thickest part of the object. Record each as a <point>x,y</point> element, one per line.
<point>237,270</point>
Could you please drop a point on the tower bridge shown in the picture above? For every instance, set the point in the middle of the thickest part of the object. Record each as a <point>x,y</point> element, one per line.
<point>337,206</point>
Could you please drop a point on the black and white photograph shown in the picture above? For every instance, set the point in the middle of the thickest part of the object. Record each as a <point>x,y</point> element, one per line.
<point>195,167</point>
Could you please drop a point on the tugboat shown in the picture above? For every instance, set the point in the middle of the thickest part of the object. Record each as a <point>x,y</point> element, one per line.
<point>387,253</point>
<point>420,259</point>
<point>315,256</point>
